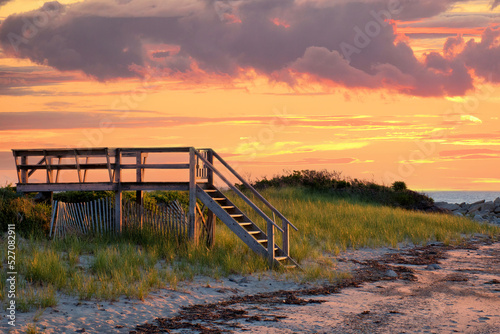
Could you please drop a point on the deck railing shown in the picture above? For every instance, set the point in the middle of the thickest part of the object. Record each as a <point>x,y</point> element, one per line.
<point>271,224</point>
<point>199,166</point>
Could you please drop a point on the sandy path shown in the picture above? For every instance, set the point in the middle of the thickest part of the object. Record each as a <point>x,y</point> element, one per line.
<point>455,299</point>
<point>461,297</point>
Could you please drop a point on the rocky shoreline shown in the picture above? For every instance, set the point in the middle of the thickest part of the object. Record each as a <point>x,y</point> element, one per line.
<point>481,211</point>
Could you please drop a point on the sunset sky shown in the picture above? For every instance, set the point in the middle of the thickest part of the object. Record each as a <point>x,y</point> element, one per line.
<point>379,90</point>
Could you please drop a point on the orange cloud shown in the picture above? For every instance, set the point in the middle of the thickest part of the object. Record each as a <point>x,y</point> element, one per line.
<point>280,22</point>
<point>477,31</point>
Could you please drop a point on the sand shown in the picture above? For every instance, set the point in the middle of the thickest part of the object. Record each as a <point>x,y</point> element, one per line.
<point>462,296</point>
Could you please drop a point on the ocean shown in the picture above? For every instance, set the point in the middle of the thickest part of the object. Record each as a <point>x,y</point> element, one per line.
<point>462,196</point>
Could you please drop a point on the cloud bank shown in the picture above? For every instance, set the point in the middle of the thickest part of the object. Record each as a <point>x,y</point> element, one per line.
<point>345,43</point>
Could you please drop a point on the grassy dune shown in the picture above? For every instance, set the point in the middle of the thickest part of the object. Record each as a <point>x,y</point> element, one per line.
<point>137,263</point>
<point>330,224</point>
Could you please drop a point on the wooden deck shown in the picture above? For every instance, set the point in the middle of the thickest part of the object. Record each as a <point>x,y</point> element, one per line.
<point>47,164</point>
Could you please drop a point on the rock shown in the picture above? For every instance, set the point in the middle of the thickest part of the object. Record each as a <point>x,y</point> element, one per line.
<point>457,213</point>
<point>478,218</point>
<point>244,280</point>
<point>488,207</point>
<point>390,273</point>
<point>478,202</point>
<point>465,206</point>
<point>497,201</point>
<point>497,209</point>
<point>475,207</point>
<point>433,266</point>
<point>447,206</point>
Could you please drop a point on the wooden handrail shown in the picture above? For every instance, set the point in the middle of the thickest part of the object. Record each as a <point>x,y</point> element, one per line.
<point>252,189</point>
<point>237,191</point>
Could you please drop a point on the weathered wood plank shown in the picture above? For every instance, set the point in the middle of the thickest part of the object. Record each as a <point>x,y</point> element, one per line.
<point>62,152</point>
<point>54,214</point>
<point>286,238</point>
<point>193,228</point>
<point>231,223</point>
<point>134,150</point>
<point>118,192</point>
<point>252,189</point>
<point>24,173</point>
<point>98,186</point>
<point>240,194</point>
<point>103,165</point>
<point>155,166</point>
<point>270,244</point>
<point>77,161</point>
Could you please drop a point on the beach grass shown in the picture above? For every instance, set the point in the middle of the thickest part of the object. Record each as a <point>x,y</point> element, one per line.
<point>331,224</point>
<point>136,263</point>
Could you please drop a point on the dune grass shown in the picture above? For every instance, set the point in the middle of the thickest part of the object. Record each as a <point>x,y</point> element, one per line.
<point>331,224</point>
<point>139,262</point>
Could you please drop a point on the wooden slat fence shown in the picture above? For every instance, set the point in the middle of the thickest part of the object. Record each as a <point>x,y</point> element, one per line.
<point>167,219</point>
<point>97,217</point>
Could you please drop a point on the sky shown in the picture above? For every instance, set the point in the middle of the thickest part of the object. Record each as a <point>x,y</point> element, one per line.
<point>379,90</point>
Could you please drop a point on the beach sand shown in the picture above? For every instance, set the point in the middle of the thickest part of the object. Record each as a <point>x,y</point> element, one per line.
<point>392,291</point>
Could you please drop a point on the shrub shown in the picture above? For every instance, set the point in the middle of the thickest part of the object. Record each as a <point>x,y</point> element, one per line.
<point>81,196</point>
<point>333,182</point>
<point>399,186</point>
<point>30,218</point>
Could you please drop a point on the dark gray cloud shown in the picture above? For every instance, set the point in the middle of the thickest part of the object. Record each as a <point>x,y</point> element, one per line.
<point>3,2</point>
<point>484,56</point>
<point>348,43</point>
<point>495,4</point>
<point>419,9</point>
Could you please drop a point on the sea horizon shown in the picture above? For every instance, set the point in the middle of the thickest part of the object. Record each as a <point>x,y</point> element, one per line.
<point>461,196</point>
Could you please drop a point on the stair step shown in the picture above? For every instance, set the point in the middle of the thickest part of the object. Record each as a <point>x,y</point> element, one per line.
<point>289,266</point>
<point>239,223</point>
<point>262,241</point>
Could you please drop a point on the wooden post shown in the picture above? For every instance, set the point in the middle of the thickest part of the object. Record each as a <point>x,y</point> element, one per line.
<point>58,170</point>
<point>54,216</point>
<point>118,193</point>
<point>193,226</point>
<point>286,236</point>
<point>270,244</point>
<point>211,228</point>
<point>139,193</point>
<point>24,172</point>
<point>49,195</point>
<point>211,219</point>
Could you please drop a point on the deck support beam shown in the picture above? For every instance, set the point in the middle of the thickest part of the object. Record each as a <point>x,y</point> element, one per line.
<point>193,224</point>
<point>118,192</point>
<point>139,193</point>
<point>212,218</point>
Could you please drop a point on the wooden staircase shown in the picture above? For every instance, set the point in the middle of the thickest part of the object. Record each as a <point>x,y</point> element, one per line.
<point>262,243</point>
